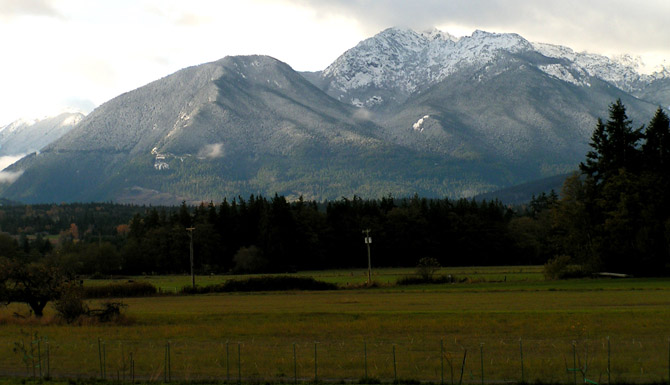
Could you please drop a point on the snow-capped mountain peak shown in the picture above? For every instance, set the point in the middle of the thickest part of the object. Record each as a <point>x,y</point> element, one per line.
<point>436,34</point>
<point>397,62</point>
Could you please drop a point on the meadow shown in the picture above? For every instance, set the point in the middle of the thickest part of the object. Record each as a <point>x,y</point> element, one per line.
<point>492,316</point>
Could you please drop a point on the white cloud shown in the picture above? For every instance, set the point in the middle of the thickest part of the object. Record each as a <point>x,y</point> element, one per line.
<point>6,161</point>
<point>9,176</point>
<point>211,151</point>
<point>16,8</point>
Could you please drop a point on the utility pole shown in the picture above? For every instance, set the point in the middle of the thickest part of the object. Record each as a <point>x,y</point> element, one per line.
<point>190,235</point>
<point>368,241</point>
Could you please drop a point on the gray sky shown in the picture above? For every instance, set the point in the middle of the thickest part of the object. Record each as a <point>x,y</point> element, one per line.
<point>77,54</point>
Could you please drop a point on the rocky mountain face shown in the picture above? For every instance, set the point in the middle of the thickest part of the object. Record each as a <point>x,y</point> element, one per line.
<point>400,113</point>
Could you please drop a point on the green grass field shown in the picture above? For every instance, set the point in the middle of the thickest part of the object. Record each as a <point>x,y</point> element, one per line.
<point>556,321</point>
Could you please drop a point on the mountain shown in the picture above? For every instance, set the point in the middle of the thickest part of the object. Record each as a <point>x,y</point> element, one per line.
<point>240,125</point>
<point>400,113</point>
<point>25,136</point>
<point>384,70</point>
<point>528,107</point>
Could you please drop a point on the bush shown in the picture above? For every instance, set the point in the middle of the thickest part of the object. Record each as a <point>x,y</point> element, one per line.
<point>266,283</point>
<point>421,280</point>
<point>427,267</point>
<point>110,311</point>
<point>70,306</point>
<point>561,267</point>
<point>120,290</point>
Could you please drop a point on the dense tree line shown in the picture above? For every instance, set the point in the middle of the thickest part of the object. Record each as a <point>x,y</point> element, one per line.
<point>261,234</point>
<point>615,214</point>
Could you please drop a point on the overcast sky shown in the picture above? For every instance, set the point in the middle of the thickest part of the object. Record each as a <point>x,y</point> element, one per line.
<point>59,54</point>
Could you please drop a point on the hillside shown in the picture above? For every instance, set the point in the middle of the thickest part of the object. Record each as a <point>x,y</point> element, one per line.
<point>400,113</point>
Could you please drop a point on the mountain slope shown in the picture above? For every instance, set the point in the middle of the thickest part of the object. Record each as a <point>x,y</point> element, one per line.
<point>237,126</point>
<point>401,113</point>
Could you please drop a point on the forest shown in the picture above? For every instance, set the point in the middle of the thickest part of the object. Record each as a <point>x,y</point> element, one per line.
<point>612,215</point>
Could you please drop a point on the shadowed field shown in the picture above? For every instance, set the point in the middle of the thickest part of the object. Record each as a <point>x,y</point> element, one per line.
<point>360,329</point>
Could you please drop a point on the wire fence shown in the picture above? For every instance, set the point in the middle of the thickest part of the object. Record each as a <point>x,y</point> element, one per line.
<point>444,361</point>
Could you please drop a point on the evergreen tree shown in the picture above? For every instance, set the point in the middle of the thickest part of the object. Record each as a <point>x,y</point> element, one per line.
<point>614,146</point>
<point>656,149</point>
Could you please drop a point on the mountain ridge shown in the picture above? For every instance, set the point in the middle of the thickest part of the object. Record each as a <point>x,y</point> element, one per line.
<point>446,117</point>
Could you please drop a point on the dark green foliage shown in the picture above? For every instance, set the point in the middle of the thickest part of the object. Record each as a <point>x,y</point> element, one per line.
<point>614,146</point>
<point>34,283</point>
<point>264,283</point>
<point>120,290</point>
<point>614,217</point>
<point>562,267</point>
<point>109,311</point>
<point>420,280</point>
<point>70,306</point>
<point>427,267</point>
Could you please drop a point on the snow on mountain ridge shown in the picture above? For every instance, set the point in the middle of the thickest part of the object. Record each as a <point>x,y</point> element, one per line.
<point>402,60</point>
<point>624,71</point>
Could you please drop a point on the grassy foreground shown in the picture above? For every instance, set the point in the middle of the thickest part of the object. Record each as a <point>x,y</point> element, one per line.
<point>420,333</point>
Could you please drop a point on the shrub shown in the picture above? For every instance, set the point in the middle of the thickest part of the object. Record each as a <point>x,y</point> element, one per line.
<point>70,306</point>
<point>427,267</point>
<point>420,280</point>
<point>265,283</point>
<point>110,311</point>
<point>120,290</point>
<point>561,267</point>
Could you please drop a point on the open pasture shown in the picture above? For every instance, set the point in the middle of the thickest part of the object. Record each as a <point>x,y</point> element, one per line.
<point>419,333</point>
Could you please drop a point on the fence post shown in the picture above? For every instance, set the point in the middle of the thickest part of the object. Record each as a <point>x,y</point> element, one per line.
<point>316,366</point>
<point>395,369</point>
<point>295,366</point>
<point>123,363</point>
<point>227,362</point>
<point>100,356</point>
<point>523,379</point>
<point>48,360</point>
<point>608,361</point>
<point>167,368</point>
<point>574,360</point>
<point>104,360</point>
<point>365,358</point>
<point>465,354</point>
<point>239,363</point>
<point>441,362</point>
<point>132,368</point>
<point>481,354</point>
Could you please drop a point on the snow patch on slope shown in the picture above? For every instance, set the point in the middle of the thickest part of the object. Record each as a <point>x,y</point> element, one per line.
<point>418,126</point>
